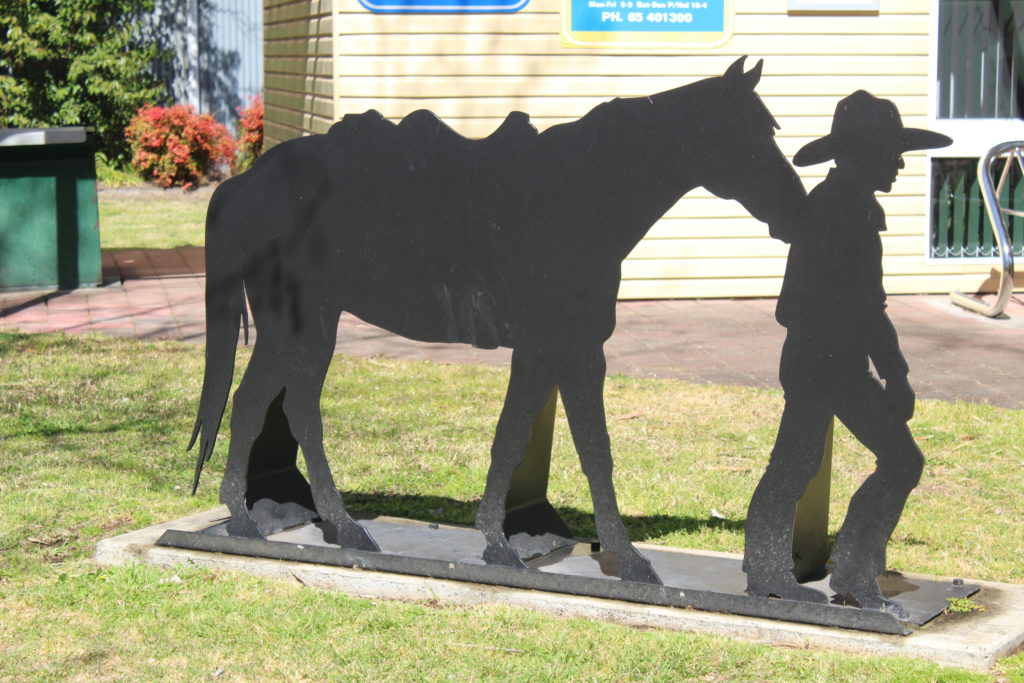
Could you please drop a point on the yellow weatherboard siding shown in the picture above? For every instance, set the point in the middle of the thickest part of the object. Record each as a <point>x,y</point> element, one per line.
<point>329,57</point>
<point>298,68</point>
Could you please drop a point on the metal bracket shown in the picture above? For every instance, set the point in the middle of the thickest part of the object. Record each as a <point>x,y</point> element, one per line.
<point>531,524</point>
<point>692,579</point>
<point>810,530</point>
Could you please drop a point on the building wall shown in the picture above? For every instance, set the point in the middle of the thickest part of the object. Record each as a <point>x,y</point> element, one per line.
<point>230,57</point>
<point>298,68</point>
<point>216,53</point>
<point>473,69</point>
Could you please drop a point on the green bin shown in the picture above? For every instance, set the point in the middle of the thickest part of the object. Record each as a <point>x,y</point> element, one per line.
<point>49,223</point>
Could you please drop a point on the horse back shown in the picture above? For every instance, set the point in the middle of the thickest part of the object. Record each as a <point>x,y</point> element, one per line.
<point>429,234</point>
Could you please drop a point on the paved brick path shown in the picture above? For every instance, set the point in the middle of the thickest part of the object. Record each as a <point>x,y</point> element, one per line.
<point>953,354</point>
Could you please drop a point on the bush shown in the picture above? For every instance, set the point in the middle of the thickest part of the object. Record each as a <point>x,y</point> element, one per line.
<point>177,146</point>
<point>115,175</point>
<point>250,133</point>
<point>76,63</point>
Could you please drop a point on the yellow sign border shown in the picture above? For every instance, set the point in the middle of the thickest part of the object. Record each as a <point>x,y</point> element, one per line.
<point>703,40</point>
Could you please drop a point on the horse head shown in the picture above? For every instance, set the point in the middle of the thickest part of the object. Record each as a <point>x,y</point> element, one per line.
<point>738,155</point>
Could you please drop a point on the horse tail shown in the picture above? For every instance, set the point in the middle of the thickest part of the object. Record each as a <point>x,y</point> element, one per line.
<point>225,310</point>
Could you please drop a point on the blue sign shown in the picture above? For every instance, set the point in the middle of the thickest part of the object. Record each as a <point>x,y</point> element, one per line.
<point>443,6</point>
<point>697,16</point>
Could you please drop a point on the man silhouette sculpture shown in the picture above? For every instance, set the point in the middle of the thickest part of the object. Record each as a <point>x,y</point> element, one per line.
<point>832,305</point>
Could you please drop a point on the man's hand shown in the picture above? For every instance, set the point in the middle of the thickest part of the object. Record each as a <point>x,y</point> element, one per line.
<point>901,397</point>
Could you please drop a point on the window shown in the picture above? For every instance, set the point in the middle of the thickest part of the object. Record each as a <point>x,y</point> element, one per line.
<point>979,101</point>
<point>960,224</point>
<point>980,61</point>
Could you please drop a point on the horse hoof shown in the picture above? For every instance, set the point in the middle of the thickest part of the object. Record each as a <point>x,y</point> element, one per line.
<point>349,534</point>
<point>638,569</point>
<point>504,556</point>
<point>243,526</point>
<point>783,586</point>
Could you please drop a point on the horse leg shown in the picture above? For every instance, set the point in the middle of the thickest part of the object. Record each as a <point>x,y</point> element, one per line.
<point>311,350</point>
<point>529,385</point>
<point>251,406</point>
<point>580,378</point>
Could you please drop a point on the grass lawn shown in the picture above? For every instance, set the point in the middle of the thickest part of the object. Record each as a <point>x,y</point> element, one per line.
<point>147,216</point>
<point>93,433</point>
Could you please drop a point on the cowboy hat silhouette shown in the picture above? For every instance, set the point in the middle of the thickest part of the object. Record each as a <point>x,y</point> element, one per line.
<point>861,119</point>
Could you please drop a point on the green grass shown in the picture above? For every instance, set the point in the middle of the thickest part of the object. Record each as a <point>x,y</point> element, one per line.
<point>963,605</point>
<point>152,218</point>
<point>93,431</point>
<point>135,214</point>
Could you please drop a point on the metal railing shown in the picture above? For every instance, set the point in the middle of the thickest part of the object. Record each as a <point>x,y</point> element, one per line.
<point>990,193</point>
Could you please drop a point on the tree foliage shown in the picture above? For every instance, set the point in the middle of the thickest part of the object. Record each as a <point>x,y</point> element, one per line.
<point>76,62</point>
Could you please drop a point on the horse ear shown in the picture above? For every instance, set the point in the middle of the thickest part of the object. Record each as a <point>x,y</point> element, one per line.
<point>753,76</point>
<point>736,70</point>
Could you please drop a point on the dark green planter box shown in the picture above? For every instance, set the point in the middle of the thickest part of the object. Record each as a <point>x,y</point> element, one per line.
<point>49,223</point>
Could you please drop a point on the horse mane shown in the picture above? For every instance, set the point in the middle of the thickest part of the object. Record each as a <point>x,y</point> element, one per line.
<point>645,114</point>
<point>606,118</point>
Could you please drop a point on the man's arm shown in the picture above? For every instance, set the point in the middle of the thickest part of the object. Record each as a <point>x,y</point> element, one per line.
<point>892,367</point>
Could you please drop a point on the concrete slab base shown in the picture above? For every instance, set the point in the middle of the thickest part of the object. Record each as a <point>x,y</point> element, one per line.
<point>973,641</point>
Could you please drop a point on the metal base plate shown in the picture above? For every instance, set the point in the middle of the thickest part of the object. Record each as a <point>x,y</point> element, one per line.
<point>693,580</point>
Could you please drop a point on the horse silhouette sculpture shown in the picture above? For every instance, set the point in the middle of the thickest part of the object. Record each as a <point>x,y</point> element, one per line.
<point>515,240</point>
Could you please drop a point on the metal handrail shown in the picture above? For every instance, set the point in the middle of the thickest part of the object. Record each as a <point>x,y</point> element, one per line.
<point>995,215</point>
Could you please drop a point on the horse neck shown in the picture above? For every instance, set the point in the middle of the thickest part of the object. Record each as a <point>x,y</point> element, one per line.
<point>648,165</point>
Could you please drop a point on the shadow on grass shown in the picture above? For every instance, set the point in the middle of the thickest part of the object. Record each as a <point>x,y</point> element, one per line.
<point>43,427</point>
<point>451,511</point>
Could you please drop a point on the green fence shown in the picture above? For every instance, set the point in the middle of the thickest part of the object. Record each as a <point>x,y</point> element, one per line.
<point>960,224</point>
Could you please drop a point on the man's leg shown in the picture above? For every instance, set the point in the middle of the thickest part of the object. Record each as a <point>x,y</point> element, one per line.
<point>795,459</point>
<point>858,556</point>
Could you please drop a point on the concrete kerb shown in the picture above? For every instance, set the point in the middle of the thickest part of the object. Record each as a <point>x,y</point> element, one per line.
<point>972,641</point>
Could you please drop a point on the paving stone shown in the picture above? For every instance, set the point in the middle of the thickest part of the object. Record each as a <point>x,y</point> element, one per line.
<point>953,354</point>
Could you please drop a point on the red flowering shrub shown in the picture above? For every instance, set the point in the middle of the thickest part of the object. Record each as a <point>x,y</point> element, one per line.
<point>177,146</point>
<point>250,129</point>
